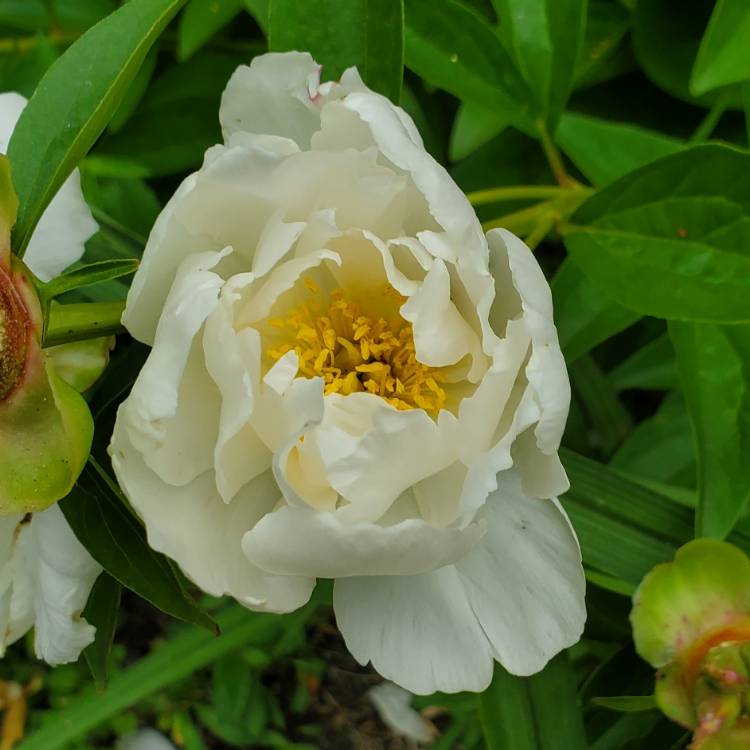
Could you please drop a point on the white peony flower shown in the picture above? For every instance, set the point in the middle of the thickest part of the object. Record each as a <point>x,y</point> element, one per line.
<point>349,380</point>
<point>45,573</point>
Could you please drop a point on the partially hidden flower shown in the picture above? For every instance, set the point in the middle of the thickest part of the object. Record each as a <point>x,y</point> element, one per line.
<point>348,380</point>
<point>45,430</point>
<point>691,620</point>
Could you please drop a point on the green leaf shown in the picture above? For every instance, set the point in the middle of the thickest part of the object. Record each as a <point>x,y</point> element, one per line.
<point>606,26</point>
<point>652,367</point>
<point>87,275</point>
<point>99,516</point>
<point>101,611</point>
<point>610,420</point>
<point>714,366</point>
<point>666,41</point>
<point>584,315</point>
<point>258,9</point>
<point>626,703</point>
<point>200,21</point>
<point>129,103</point>
<point>723,55</point>
<point>604,150</point>
<point>190,650</point>
<point>541,712</point>
<point>660,448</point>
<point>74,102</point>
<point>671,238</point>
<point>545,38</point>
<point>365,33</point>
<point>455,48</point>
<point>624,528</point>
<point>473,127</point>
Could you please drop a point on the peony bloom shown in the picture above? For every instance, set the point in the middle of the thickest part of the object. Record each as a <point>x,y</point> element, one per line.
<point>348,380</point>
<point>45,573</point>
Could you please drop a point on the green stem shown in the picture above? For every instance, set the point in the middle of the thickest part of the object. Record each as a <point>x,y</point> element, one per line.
<point>86,320</point>
<point>520,222</point>
<point>711,120</point>
<point>543,227</point>
<point>514,192</point>
<point>553,156</point>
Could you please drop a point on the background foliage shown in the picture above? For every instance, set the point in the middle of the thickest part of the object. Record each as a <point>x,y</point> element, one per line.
<point>581,126</point>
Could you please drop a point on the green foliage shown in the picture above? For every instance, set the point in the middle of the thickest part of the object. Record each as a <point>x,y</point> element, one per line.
<point>365,33</point>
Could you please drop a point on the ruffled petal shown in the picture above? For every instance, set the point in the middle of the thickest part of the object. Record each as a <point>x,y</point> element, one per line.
<point>525,582</point>
<point>52,576</point>
<point>203,534</point>
<point>298,541</point>
<point>418,631</point>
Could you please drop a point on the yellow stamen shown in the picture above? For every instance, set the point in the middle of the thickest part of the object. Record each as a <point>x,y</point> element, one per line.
<point>354,351</point>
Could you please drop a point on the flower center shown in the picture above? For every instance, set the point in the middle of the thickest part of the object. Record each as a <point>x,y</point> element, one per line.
<point>354,351</point>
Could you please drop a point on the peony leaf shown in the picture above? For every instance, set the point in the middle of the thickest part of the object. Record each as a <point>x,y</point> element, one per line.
<point>200,21</point>
<point>714,367</point>
<point>545,38</point>
<point>454,48</point>
<point>365,33</point>
<point>541,712</point>
<point>671,238</point>
<point>722,57</point>
<point>101,611</point>
<point>604,150</point>
<point>74,102</point>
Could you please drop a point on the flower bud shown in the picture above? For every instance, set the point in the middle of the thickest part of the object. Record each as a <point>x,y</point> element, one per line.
<point>45,425</point>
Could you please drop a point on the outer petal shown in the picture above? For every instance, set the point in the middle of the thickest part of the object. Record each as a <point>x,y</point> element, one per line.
<point>65,226</point>
<point>52,577</point>
<point>202,533</point>
<point>281,95</point>
<point>298,541</point>
<point>545,370</point>
<point>525,582</point>
<point>418,631</point>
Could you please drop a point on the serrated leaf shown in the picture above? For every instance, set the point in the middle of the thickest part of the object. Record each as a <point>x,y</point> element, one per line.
<point>74,102</point>
<point>671,239</point>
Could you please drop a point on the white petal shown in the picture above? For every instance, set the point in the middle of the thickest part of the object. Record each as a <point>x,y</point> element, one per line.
<point>277,94</point>
<point>66,224</point>
<point>393,706</point>
<point>393,450</point>
<point>60,236</point>
<point>418,631</point>
<point>52,577</point>
<point>232,359</point>
<point>301,541</point>
<point>146,739</point>
<point>525,581</point>
<point>441,336</point>
<point>203,534</point>
<point>546,368</point>
<point>173,409</point>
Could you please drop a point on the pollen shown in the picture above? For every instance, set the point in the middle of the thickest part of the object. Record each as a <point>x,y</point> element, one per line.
<point>355,351</point>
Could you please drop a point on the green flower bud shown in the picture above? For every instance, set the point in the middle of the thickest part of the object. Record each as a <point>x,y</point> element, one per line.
<point>45,425</point>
